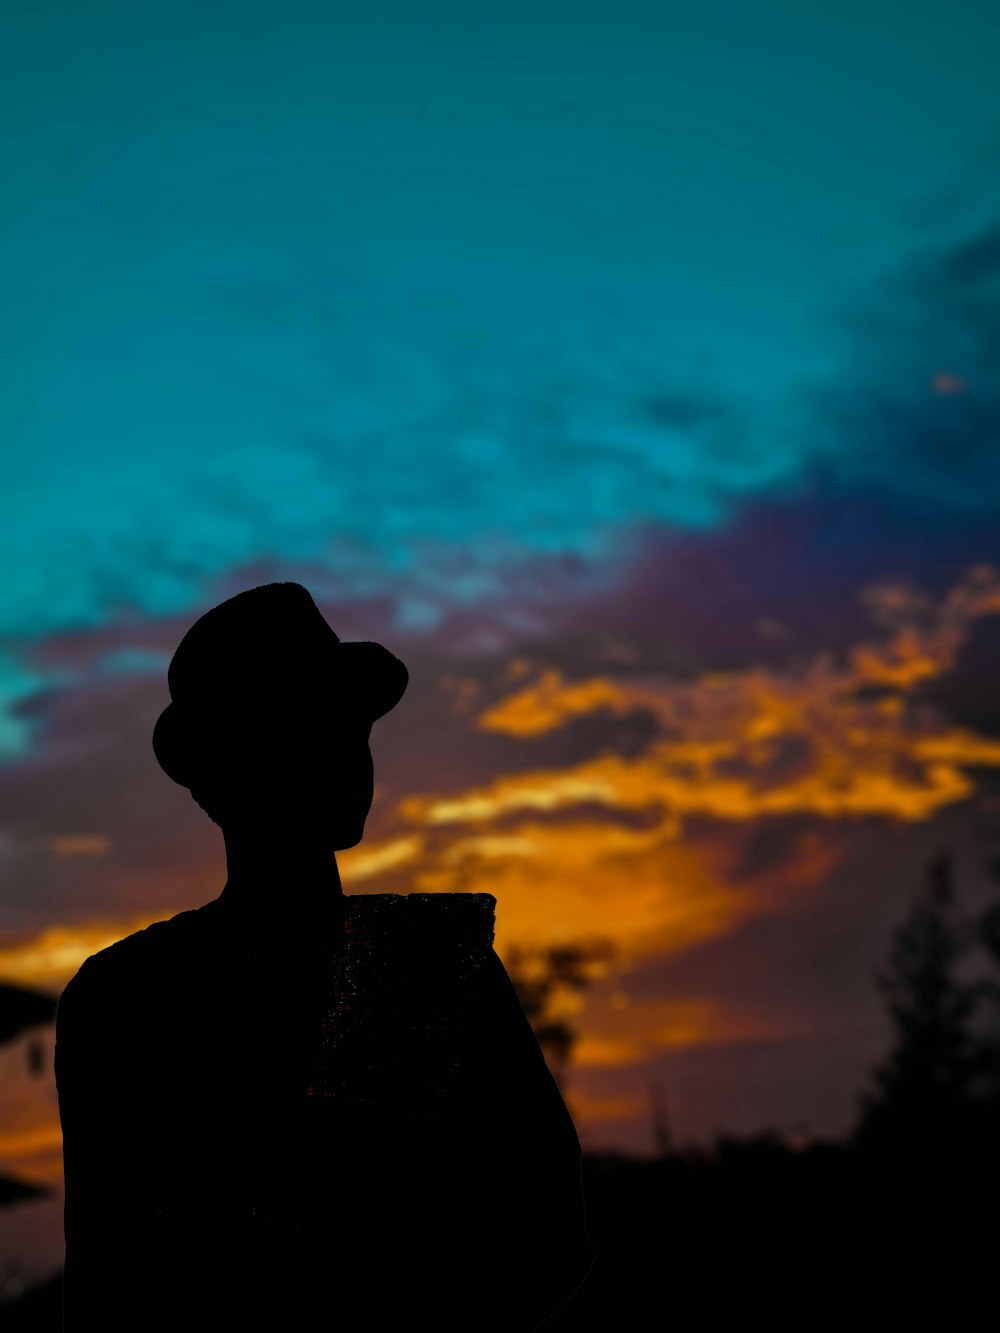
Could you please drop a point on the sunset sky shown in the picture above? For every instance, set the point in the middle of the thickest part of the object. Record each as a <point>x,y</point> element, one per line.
<point>631,372</point>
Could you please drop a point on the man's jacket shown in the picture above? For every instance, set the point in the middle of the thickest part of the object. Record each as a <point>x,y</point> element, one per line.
<point>267,1123</point>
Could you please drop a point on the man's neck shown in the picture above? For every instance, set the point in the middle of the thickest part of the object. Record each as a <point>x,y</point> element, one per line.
<point>282,875</point>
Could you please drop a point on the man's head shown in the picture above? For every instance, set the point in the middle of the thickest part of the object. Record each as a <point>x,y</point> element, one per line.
<point>272,715</point>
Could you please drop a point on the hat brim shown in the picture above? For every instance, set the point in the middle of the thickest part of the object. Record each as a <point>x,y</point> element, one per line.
<point>378,678</point>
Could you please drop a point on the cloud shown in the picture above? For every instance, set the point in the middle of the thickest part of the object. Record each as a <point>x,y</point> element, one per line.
<point>51,957</point>
<point>638,1031</point>
<point>714,824</point>
<point>80,844</point>
<point>404,448</point>
<point>843,735</point>
<point>915,407</point>
<point>833,739</point>
<point>403,445</point>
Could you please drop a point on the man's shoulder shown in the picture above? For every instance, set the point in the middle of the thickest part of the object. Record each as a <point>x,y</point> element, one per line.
<point>137,955</point>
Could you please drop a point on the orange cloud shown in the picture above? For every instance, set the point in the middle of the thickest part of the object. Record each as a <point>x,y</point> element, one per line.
<point>372,859</point>
<point>618,1037</point>
<point>35,1151</point>
<point>736,747</point>
<point>745,744</point>
<point>590,1109</point>
<point>550,702</point>
<point>49,959</point>
<point>80,844</point>
<point>644,891</point>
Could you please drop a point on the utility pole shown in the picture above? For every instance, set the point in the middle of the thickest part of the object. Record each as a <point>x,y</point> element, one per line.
<point>662,1136</point>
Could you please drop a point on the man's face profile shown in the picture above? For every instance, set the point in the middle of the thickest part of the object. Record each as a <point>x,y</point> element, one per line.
<point>300,767</point>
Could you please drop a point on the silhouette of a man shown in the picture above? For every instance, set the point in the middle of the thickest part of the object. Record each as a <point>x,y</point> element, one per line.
<point>291,1107</point>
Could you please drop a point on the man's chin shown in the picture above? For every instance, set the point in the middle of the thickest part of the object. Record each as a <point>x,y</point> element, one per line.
<point>342,840</point>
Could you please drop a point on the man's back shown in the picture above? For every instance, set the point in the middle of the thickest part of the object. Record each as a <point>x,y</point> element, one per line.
<point>341,1125</point>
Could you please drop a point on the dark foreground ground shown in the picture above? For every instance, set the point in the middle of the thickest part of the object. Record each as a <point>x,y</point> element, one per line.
<point>758,1233</point>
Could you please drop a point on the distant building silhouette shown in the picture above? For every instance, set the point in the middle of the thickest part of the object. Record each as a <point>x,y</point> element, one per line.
<point>21,1007</point>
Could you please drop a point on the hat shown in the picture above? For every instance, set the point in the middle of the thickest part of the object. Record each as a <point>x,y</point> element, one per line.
<point>272,643</point>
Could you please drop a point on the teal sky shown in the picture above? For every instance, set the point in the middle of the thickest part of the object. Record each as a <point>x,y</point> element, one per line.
<point>384,291</point>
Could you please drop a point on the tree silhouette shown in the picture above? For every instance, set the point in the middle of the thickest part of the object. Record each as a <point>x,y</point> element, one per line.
<point>546,979</point>
<point>922,1095</point>
<point>986,1075</point>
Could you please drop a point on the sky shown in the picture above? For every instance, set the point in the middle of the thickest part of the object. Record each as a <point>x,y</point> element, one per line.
<point>630,372</point>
